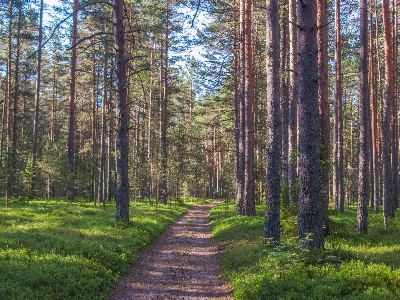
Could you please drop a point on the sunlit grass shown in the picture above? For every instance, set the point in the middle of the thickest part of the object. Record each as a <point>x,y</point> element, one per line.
<point>59,249</point>
<point>353,266</point>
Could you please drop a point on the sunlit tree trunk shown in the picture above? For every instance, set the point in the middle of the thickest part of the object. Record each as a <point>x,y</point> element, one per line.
<point>293,100</point>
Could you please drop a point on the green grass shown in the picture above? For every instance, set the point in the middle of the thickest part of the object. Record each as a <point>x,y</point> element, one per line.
<point>59,249</point>
<point>352,266</point>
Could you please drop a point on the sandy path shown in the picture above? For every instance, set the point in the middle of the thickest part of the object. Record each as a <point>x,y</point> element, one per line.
<point>182,264</point>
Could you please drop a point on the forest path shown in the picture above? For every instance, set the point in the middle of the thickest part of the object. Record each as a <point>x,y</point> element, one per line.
<point>182,264</point>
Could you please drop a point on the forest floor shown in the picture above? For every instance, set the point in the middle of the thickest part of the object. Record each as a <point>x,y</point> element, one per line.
<point>182,264</point>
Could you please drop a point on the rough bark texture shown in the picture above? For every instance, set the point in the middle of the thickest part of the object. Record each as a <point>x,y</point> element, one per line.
<point>323,98</point>
<point>122,112</point>
<point>293,100</point>
<point>71,120</point>
<point>363,187</point>
<point>338,189</point>
<point>387,180</point>
<point>310,209</point>
<point>182,264</point>
<point>273,153</point>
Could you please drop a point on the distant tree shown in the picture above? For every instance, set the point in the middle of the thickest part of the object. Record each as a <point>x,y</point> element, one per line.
<point>310,201</point>
<point>338,190</point>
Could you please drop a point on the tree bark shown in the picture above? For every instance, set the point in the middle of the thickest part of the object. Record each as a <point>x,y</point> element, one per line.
<point>122,113</point>
<point>37,96</point>
<point>249,180</point>
<point>293,101</point>
<point>338,190</point>
<point>323,98</point>
<point>363,187</point>
<point>163,188</point>
<point>310,208</point>
<point>284,104</point>
<point>273,150</point>
<point>387,179</point>
<point>72,95</point>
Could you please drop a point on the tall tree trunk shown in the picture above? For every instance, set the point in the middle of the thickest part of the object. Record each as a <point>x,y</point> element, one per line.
<point>122,113</point>
<point>323,98</point>
<point>363,188</point>
<point>37,98</point>
<point>310,208</point>
<point>293,100</point>
<point>71,121</point>
<point>395,141</point>
<point>249,180</point>
<point>241,135</point>
<point>374,113</point>
<point>8,104</point>
<point>338,190</point>
<point>14,139</point>
<point>163,192</point>
<point>101,192</point>
<point>94,125</point>
<point>273,153</point>
<point>284,104</point>
<point>387,176</point>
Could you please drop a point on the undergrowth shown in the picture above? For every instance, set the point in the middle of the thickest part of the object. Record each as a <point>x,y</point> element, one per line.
<point>59,249</point>
<point>352,266</point>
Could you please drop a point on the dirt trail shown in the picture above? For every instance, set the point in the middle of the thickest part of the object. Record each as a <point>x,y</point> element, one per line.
<point>182,264</point>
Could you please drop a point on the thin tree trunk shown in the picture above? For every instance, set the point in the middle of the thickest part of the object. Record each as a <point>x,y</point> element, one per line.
<point>37,97</point>
<point>101,197</point>
<point>71,121</point>
<point>363,188</point>
<point>323,98</point>
<point>375,136</point>
<point>310,208</point>
<point>241,134</point>
<point>122,113</point>
<point>14,140</point>
<point>293,99</point>
<point>338,190</point>
<point>273,150</point>
<point>94,125</point>
<point>284,105</point>
<point>163,192</point>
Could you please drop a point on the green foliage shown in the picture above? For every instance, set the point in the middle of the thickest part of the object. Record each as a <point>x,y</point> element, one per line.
<point>352,266</point>
<point>69,250</point>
